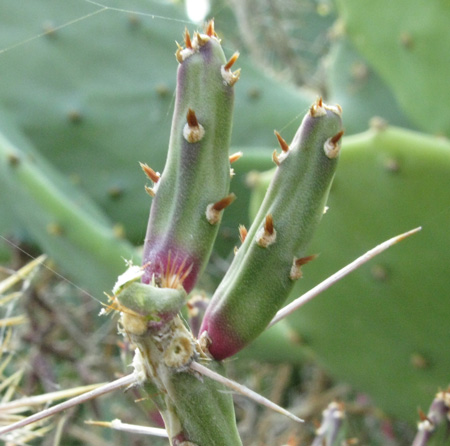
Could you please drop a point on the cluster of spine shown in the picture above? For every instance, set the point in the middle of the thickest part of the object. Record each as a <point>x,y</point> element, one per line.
<point>273,251</point>
<point>193,190</point>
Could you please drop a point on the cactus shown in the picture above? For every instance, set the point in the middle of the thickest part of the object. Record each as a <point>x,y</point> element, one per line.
<point>57,215</point>
<point>182,226</point>
<point>272,253</point>
<point>97,122</point>
<point>414,67</point>
<point>393,299</point>
<point>193,190</point>
<point>353,84</point>
<point>106,115</point>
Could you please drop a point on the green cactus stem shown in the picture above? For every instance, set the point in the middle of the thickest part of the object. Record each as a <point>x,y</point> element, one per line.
<point>191,194</point>
<point>268,263</point>
<point>196,410</point>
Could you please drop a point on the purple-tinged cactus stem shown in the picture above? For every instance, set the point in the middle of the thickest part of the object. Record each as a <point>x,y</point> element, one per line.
<point>193,190</point>
<point>268,262</point>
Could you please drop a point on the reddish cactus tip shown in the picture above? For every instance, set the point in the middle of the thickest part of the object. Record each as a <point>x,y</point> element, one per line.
<point>267,234</point>
<point>224,202</point>
<point>151,174</point>
<point>214,210</point>
<point>209,29</point>
<point>201,39</point>
<point>242,233</point>
<point>193,132</point>
<point>332,145</point>
<point>283,144</point>
<point>304,260</point>
<point>336,138</point>
<point>231,61</point>
<point>191,118</point>
<point>235,156</point>
<point>187,39</point>
<point>268,224</point>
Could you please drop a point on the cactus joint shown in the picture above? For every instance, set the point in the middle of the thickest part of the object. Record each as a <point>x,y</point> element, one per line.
<point>267,234</point>
<point>193,131</point>
<point>180,352</point>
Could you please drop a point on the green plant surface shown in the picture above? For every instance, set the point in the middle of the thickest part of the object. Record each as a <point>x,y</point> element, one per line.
<point>384,327</point>
<point>100,95</point>
<point>358,89</point>
<point>57,215</point>
<point>407,43</point>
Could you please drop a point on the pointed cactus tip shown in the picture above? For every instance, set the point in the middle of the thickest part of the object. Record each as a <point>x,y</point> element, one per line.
<point>214,210</point>
<point>296,270</point>
<point>267,234</point>
<point>242,233</point>
<point>332,145</point>
<point>235,157</point>
<point>150,173</point>
<point>193,132</point>
<point>283,144</point>
<point>209,29</point>
<point>187,39</point>
<point>231,61</point>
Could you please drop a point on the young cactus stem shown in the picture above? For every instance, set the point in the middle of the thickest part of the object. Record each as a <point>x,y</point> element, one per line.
<point>281,231</point>
<point>297,303</point>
